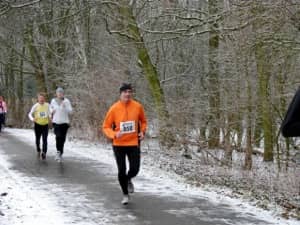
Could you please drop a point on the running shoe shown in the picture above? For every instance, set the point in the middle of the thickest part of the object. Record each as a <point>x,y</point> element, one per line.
<point>130,187</point>
<point>58,157</point>
<point>125,200</point>
<point>43,156</point>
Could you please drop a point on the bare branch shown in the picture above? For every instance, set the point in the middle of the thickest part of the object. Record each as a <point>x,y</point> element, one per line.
<point>25,4</point>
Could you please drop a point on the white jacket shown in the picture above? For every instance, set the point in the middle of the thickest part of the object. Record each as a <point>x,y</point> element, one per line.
<point>60,110</point>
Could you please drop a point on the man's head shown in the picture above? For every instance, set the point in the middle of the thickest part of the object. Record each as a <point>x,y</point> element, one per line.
<point>41,98</point>
<point>60,92</point>
<point>125,92</point>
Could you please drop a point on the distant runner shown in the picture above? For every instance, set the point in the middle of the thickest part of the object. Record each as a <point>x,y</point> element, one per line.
<point>125,123</point>
<point>60,110</point>
<point>3,111</point>
<point>40,115</point>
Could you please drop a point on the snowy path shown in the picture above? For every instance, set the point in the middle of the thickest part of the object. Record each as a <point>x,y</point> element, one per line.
<point>83,190</point>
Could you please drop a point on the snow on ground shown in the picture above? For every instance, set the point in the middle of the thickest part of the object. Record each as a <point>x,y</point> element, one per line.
<point>22,205</point>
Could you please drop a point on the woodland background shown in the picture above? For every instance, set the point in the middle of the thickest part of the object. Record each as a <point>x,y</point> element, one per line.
<point>215,77</point>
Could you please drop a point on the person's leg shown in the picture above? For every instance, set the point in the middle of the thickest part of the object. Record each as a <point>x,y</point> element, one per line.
<point>134,158</point>
<point>58,134</point>
<point>45,138</point>
<point>64,130</point>
<point>1,120</point>
<point>38,133</point>
<point>58,144</point>
<point>120,156</point>
<point>4,119</point>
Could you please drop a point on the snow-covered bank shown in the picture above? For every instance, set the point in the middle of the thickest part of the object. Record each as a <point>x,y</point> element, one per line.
<point>264,186</point>
<point>162,184</point>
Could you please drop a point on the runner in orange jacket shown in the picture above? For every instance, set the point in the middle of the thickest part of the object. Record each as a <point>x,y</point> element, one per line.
<point>125,123</point>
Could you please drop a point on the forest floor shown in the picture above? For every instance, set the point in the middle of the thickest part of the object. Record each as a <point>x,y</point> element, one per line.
<point>264,186</point>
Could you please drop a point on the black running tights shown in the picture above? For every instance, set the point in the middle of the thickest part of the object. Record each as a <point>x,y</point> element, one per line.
<point>60,131</point>
<point>134,158</point>
<point>41,131</point>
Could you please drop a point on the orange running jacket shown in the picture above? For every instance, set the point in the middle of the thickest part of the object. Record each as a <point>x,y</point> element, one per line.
<point>129,118</point>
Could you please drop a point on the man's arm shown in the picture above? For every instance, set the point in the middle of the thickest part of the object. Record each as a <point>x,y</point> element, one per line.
<point>107,125</point>
<point>143,123</point>
<point>31,113</point>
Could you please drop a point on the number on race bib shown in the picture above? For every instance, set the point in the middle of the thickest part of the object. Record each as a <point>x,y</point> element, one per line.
<point>43,115</point>
<point>127,127</point>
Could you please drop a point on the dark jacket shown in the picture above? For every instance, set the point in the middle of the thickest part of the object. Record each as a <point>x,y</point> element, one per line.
<point>290,126</point>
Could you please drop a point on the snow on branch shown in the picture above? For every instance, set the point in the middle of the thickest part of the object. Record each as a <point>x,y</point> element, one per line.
<point>7,6</point>
<point>25,4</point>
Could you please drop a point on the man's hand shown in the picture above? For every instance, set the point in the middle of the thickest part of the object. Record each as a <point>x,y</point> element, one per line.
<point>119,134</point>
<point>141,136</point>
<point>50,124</point>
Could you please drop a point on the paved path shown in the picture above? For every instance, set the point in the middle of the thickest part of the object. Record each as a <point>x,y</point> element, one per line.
<point>95,193</point>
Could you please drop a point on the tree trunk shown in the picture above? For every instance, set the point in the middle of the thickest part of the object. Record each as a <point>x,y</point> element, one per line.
<point>20,91</point>
<point>150,73</point>
<point>248,153</point>
<point>36,61</point>
<point>263,69</point>
<point>11,87</point>
<point>213,76</point>
<point>263,54</point>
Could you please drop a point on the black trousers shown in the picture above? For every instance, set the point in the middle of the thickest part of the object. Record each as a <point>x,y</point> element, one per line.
<point>2,120</point>
<point>41,131</point>
<point>134,157</point>
<point>60,131</point>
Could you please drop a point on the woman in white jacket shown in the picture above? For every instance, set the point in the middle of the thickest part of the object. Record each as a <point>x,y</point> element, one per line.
<point>60,110</point>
